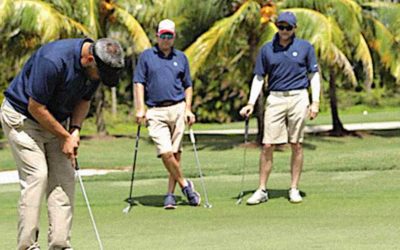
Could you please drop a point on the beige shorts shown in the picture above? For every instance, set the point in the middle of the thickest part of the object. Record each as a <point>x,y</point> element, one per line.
<point>166,127</point>
<point>285,116</point>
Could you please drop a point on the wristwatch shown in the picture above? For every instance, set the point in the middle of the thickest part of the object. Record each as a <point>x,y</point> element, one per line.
<point>73,127</point>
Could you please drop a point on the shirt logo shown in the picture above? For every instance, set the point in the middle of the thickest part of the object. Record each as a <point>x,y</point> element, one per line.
<point>295,53</point>
<point>175,64</point>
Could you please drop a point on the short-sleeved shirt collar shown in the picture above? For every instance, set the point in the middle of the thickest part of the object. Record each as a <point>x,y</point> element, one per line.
<point>78,53</point>
<point>277,47</point>
<point>157,50</point>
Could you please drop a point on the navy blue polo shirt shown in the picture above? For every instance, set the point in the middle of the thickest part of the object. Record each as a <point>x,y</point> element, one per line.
<point>164,78</point>
<point>287,68</point>
<point>53,76</point>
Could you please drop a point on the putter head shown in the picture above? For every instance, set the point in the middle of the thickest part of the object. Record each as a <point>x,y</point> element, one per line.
<point>208,205</point>
<point>239,198</point>
<point>127,209</point>
<point>130,201</point>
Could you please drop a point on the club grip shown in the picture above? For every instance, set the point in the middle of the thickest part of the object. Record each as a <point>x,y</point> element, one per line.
<point>76,164</point>
<point>191,135</point>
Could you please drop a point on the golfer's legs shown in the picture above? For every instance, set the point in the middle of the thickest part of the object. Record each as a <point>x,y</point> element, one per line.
<point>266,159</point>
<point>60,196</point>
<point>173,167</point>
<point>298,109</point>
<point>171,179</point>
<point>296,163</point>
<point>32,169</point>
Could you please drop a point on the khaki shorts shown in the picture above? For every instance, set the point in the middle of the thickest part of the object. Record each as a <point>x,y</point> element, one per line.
<point>285,116</point>
<point>166,127</point>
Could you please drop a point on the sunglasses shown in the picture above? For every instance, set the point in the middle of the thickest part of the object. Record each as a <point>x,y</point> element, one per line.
<point>167,36</point>
<point>284,27</point>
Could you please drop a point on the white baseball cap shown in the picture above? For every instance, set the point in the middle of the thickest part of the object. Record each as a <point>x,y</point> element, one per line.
<point>166,26</point>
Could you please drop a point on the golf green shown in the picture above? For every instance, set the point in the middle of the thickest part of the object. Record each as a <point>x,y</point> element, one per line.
<point>341,210</point>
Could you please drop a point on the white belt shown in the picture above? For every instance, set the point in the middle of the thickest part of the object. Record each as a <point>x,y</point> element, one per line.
<point>288,93</point>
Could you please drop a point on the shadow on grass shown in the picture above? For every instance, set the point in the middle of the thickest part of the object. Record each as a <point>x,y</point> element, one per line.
<point>386,133</point>
<point>155,200</point>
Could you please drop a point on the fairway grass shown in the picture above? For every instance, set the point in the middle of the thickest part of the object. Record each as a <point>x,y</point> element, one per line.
<point>341,210</point>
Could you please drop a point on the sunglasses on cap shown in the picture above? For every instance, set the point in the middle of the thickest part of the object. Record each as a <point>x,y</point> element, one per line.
<point>167,36</point>
<point>285,27</point>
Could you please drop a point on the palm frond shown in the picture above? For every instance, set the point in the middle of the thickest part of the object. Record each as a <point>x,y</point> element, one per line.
<point>268,34</point>
<point>344,12</point>
<point>6,7</point>
<point>93,17</point>
<point>171,8</point>
<point>364,55</point>
<point>41,18</point>
<point>381,40</point>
<point>219,34</point>
<point>318,29</point>
<point>387,14</point>
<point>136,32</point>
<point>340,59</point>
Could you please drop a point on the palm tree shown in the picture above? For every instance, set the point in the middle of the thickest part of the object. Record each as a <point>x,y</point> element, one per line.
<point>323,23</point>
<point>352,44</point>
<point>221,47</point>
<point>30,23</point>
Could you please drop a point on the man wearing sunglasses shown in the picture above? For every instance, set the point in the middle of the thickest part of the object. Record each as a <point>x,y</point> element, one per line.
<point>162,83</point>
<point>41,116</point>
<point>291,66</point>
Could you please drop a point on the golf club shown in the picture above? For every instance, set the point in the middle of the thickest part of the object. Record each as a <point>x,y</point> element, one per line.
<point>192,139</point>
<point>130,199</point>
<point>246,135</point>
<point>87,204</point>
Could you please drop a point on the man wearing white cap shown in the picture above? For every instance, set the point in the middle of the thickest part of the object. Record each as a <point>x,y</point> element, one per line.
<point>163,83</point>
<point>291,66</point>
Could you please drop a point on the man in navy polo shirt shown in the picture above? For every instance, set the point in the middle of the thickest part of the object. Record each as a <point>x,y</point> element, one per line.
<point>291,66</point>
<point>50,94</point>
<point>162,82</point>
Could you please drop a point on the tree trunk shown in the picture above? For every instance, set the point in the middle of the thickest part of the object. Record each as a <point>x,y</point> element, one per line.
<point>99,102</point>
<point>338,129</point>
<point>114,102</point>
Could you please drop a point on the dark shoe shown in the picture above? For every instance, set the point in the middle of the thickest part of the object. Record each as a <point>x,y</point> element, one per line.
<point>191,194</point>
<point>169,201</point>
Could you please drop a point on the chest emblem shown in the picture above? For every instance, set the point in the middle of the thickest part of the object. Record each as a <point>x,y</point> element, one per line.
<point>175,64</point>
<point>294,53</point>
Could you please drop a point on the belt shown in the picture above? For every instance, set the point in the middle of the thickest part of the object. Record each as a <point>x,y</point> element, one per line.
<point>166,104</point>
<point>288,92</point>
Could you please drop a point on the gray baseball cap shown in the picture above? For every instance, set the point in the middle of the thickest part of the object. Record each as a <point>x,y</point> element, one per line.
<point>109,58</point>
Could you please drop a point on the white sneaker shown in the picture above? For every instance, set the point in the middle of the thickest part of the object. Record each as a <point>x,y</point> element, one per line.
<point>294,196</point>
<point>258,197</point>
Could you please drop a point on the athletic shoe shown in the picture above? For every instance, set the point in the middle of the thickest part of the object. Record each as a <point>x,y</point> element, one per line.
<point>258,197</point>
<point>191,194</point>
<point>294,196</point>
<point>169,201</point>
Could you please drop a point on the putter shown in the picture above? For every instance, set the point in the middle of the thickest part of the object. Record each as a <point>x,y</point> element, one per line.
<point>87,204</point>
<point>246,136</point>
<point>130,199</point>
<point>192,139</point>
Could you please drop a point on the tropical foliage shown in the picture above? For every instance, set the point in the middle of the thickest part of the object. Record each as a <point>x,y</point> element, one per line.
<point>357,43</point>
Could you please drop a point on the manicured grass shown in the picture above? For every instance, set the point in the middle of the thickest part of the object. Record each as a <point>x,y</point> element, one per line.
<point>125,125</point>
<point>350,183</point>
<point>224,154</point>
<point>341,210</point>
